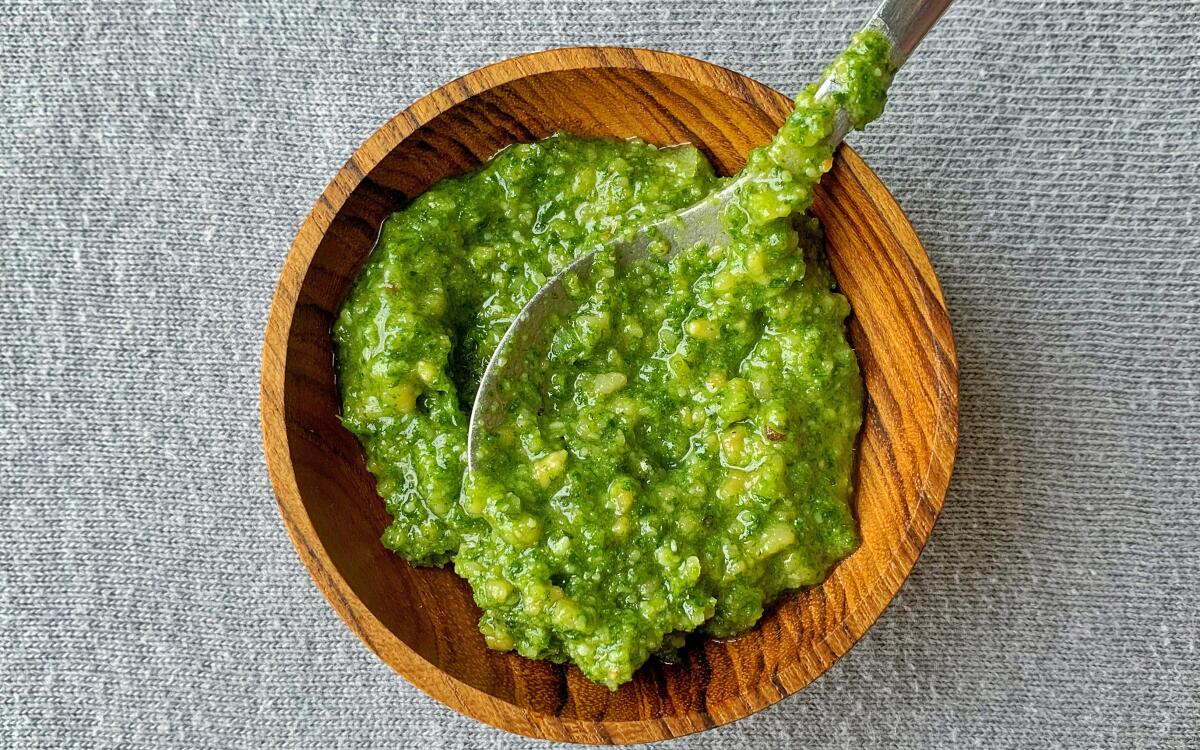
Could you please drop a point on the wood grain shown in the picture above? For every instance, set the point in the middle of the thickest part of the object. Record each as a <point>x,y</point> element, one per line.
<point>422,621</point>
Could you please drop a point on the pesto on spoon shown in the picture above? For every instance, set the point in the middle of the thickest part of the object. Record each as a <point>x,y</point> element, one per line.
<point>777,181</point>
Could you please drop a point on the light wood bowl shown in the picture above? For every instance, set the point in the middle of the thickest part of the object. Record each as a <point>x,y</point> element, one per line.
<point>422,621</point>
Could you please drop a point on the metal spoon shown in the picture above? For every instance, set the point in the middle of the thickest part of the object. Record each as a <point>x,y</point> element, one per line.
<point>904,22</point>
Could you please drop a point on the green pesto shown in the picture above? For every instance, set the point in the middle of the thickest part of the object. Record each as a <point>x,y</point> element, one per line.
<point>446,277</point>
<point>681,451</point>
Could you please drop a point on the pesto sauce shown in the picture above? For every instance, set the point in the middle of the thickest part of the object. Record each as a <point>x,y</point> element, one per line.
<point>681,451</point>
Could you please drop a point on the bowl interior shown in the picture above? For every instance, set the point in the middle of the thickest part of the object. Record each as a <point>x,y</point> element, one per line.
<point>423,621</point>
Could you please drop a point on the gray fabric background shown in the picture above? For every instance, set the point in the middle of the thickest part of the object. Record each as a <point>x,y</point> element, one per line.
<point>156,160</point>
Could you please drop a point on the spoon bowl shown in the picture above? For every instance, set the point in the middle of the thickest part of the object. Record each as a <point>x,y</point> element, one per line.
<point>422,621</point>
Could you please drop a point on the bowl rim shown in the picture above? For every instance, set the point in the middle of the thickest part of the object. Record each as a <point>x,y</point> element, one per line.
<point>392,650</point>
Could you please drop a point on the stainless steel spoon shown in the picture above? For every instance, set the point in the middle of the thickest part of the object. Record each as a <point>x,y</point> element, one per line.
<point>904,22</point>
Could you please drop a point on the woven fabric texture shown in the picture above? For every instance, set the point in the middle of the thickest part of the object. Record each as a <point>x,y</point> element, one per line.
<point>156,160</point>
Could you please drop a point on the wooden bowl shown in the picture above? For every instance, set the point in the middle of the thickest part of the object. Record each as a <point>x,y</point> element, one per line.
<point>422,621</point>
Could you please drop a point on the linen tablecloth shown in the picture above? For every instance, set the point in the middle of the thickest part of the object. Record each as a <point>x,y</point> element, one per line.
<point>156,160</point>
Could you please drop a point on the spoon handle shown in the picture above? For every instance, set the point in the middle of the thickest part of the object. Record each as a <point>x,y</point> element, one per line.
<point>905,22</point>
